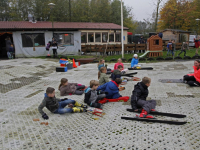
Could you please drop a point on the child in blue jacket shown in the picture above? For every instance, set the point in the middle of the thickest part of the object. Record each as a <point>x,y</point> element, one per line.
<point>134,61</point>
<point>111,89</point>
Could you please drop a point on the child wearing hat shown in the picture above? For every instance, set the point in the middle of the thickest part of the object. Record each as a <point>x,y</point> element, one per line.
<point>134,62</point>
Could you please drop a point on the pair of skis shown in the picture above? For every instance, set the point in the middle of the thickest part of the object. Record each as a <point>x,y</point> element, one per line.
<point>141,68</point>
<point>156,120</point>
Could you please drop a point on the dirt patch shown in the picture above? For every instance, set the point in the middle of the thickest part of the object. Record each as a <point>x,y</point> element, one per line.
<point>27,63</point>
<point>4,88</point>
<point>6,67</point>
<point>170,94</point>
<point>33,94</point>
<point>40,66</point>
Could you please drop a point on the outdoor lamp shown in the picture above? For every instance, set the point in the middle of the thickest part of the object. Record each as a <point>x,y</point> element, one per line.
<point>51,5</point>
<point>197,19</point>
<point>30,17</point>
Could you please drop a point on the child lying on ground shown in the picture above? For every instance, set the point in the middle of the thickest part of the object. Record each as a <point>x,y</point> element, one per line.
<point>138,98</point>
<point>92,96</point>
<point>103,77</point>
<point>56,105</point>
<point>111,88</point>
<point>66,88</point>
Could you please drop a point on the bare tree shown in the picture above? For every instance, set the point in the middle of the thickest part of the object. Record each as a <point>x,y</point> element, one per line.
<point>157,12</point>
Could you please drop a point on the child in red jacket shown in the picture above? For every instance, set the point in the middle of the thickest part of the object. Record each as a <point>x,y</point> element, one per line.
<point>194,78</point>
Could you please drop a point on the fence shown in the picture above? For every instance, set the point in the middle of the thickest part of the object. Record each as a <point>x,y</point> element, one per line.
<point>116,49</point>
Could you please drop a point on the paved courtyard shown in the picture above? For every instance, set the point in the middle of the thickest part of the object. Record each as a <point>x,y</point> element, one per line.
<point>24,81</point>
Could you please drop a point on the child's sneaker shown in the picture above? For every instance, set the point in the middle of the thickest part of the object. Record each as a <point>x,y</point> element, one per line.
<point>80,105</point>
<point>75,109</point>
<point>144,114</point>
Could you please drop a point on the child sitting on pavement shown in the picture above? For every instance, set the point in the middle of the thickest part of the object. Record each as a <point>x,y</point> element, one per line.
<point>92,96</point>
<point>138,98</point>
<point>134,61</point>
<point>103,77</point>
<point>119,62</point>
<point>117,73</point>
<point>194,78</point>
<point>56,105</point>
<point>111,88</point>
<point>66,88</point>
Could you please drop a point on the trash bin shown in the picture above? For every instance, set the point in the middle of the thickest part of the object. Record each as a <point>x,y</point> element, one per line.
<point>69,66</point>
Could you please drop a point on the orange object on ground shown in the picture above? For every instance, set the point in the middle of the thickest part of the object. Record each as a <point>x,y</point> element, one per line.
<point>120,99</point>
<point>36,119</point>
<point>79,63</point>
<point>121,88</point>
<point>74,64</point>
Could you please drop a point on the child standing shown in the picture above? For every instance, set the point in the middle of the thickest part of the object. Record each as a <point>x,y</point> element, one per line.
<point>54,48</point>
<point>194,78</point>
<point>92,96</point>
<point>184,47</point>
<point>119,62</point>
<point>138,98</point>
<point>134,61</point>
<point>169,47</point>
<point>197,45</point>
<point>56,105</point>
<point>103,77</point>
<point>117,73</point>
<point>66,88</point>
<point>48,48</point>
<point>111,88</point>
<point>11,51</point>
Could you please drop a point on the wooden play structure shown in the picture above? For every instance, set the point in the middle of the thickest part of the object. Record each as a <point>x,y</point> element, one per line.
<point>155,46</point>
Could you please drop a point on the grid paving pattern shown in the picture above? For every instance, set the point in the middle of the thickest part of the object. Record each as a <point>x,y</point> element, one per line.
<point>22,86</point>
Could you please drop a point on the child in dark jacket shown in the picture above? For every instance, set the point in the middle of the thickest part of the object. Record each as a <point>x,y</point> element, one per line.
<point>56,105</point>
<point>138,98</point>
<point>92,96</point>
<point>111,88</point>
<point>117,73</point>
<point>66,88</point>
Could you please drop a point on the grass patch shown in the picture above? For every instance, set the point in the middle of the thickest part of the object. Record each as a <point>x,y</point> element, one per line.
<point>190,53</point>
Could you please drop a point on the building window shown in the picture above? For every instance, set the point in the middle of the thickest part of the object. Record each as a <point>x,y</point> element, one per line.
<point>90,37</point>
<point>33,39</point>
<point>104,37</point>
<point>97,37</point>
<point>64,39</point>
<point>111,37</point>
<point>84,37</point>
<point>117,37</point>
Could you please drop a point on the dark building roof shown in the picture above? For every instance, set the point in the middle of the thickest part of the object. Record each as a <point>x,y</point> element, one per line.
<point>176,30</point>
<point>25,25</point>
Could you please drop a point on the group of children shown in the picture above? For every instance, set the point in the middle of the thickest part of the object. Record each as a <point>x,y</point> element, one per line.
<point>104,88</point>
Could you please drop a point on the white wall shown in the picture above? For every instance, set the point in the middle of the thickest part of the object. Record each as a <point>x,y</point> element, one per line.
<point>21,51</point>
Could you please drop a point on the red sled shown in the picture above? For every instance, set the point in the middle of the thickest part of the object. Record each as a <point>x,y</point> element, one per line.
<point>120,99</point>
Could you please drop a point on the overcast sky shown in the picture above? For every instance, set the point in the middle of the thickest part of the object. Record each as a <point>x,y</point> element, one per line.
<point>142,9</point>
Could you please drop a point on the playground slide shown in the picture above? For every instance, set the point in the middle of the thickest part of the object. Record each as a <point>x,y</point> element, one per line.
<point>147,53</point>
<point>144,54</point>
